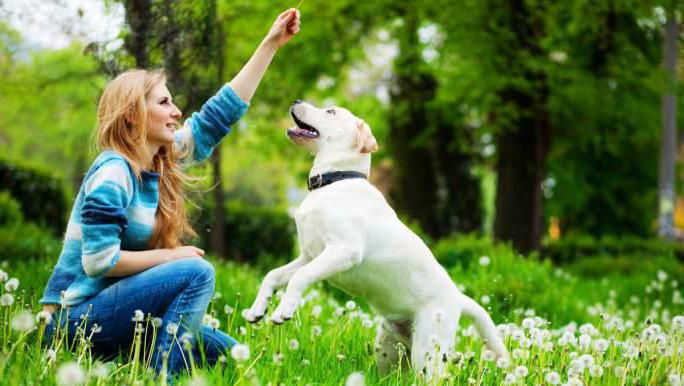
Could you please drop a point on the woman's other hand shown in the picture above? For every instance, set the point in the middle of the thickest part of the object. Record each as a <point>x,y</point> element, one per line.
<point>184,251</point>
<point>284,28</point>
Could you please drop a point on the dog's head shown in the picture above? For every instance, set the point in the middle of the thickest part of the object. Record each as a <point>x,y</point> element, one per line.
<point>332,128</point>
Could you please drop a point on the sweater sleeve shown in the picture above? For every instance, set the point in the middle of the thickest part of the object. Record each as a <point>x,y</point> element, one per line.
<point>107,194</point>
<point>205,129</point>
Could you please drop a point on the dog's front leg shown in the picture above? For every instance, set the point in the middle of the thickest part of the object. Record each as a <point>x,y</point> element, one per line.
<point>333,260</point>
<point>273,280</point>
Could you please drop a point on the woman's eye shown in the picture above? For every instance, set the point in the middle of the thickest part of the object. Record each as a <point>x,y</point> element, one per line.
<point>330,111</point>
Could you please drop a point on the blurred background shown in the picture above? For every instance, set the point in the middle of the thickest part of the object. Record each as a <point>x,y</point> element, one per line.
<point>549,126</point>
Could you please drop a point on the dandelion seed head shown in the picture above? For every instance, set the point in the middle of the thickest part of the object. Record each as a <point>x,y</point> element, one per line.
<point>50,355</point>
<point>240,352</point>
<point>553,377</point>
<point>157,322</point>
<point>214,324</point>
<point>521,371</point>
<point>316,311</point>
<point>484,261</point>
<point>510,379</point>
<point>350,305</point>
<point>3,276</point>
<point>138,316</point>
<point>242,330</point>
<point>488,355</point>
<point>6,299</point>
<point>355,379</point>
<point>278,358</point>
<point>71,373</point>
<point>100,371</point>
<point>43,317</point>
<point>172,328</point>
<point>316,330</point>
<point>596,371</point>
<point>12,284</point>
<point>228,310</point>
<point>294,344</point>
<point>503,363</point>
<point>367,323</point>
<point>23,321</point>
<point>485,299</point>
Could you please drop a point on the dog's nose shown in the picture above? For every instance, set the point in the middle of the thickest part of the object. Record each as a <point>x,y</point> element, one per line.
<point>298,101</point>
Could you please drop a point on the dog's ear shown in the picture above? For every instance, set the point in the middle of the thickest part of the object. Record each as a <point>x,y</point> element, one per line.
<point>365,142</point>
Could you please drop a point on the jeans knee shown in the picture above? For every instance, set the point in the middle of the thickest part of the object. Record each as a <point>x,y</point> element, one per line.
<point>198,270</point>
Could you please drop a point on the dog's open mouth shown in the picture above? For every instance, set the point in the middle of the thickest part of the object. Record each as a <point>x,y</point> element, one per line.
<point>302,130</point>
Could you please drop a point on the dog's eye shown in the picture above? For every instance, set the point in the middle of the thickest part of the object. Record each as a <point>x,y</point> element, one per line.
<point>330,111</point>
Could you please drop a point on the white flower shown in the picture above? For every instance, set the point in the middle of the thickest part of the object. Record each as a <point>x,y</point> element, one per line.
<point>355,379</point>
<point>339,311</point>
<point>601,345</point>
<point>367,323</point>
<point>484,261</point>
<point>50,355</point>
<point>23,321</point>
<point>240,352</point>
<point>228,309</point>
<point>278,358</point>
<point>197,380</point>
<point>214,324</point>
<point>553,378</point>
<point>43,317</point>
<point>558,57</point>
<point>519,353</point>
<point>662,275</point>
<point>484,299</point>
<point>510,379</point>
<point>503,363</point>
<point>316,330</point>
<point>678,323</point>
<point>316,310</point>
<point>12,284</point>
<point>3,275</point>
<point>71,373</point>
<point>674,379</point>
<point>100,371</point>
<point>488,355</point>
<point>584,341</point>
<point>157,322</point>
<point>172,328</point>
<point>138,316</point>
<point>139,329</point>
<point>620,371</point>
<point>294,344</point>
<point>207,319</point>
<point>521,371</point>
<point>242,330</point>
<point>528,323</point>
<point>596,371</point>
<point>350,305</point>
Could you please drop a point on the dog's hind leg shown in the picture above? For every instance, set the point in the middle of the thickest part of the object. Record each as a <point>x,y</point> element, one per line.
<point>275,279</point>
<point>484,324</point>
<point>392,347</point>
<point>434,337</point>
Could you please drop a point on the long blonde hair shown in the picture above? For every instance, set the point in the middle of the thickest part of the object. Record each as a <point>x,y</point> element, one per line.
<point>121,120</point>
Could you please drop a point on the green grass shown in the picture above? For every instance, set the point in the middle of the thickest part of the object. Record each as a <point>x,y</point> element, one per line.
<point>620,305</point>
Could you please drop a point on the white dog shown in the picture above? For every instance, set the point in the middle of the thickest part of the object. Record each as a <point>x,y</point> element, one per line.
<point>350,236</point>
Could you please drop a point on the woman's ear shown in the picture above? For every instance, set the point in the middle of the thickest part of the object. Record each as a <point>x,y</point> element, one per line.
<point>366,143</point>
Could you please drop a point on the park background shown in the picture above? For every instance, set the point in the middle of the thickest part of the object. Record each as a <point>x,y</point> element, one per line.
<point>532,144</point>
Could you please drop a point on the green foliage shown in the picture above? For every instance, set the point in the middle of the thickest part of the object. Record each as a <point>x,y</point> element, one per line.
<point>23,241</point>
<point>252,233</point>
<point>585,247</point>
<point>40,194</point>
<point>10,210</point>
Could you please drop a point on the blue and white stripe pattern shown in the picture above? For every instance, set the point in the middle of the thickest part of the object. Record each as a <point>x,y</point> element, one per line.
<point>115,211</point>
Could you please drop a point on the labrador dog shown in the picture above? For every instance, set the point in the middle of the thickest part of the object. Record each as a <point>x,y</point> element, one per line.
<point>350,236</point>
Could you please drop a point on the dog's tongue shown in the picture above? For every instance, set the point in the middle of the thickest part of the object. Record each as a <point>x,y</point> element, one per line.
<point>299,132</point>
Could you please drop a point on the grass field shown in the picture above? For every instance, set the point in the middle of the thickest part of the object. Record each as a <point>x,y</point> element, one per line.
<point>560,327</point>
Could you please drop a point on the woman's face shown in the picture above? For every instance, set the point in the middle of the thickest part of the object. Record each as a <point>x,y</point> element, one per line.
<point>162,116</point>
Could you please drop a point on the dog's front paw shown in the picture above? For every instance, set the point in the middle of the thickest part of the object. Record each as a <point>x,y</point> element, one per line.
<point>282,314</point>
<point>251,316</point>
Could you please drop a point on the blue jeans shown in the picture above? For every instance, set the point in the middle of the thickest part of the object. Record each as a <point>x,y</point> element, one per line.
<point>178,292</point>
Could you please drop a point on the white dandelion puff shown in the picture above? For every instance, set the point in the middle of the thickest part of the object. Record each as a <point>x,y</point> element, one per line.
<point>3,275</point>
<point>316,330</point>
<point>138,316</point>
<point>214,324</point>
<point>23,321</point>
<point>488,355</point>
<point>228,309</point>
<point>71,373</point>
<point>350,305</point>
<point>50,355</point>
<point>294,344</point>
<point>503,363</point>
<point>43,317</point>
<point>484,261</point>
<point>553,377</point>
<point>12,284</point>
<point>316,311</point>
<point>157,322</point>
<point>355,379</point>
<point>172,328</point>
<point>100,371</point>
<point>6,300</point>
<point>484,299</point>
<point>367,323</point>
<point>521,371</point>
<point>240,352</point>
<point>510,379</point>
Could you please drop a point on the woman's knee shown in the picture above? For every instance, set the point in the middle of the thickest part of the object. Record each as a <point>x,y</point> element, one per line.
<point>197,269</point>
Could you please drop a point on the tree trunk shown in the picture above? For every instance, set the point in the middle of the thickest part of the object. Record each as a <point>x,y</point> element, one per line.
<point>416,189</point>
<point>138,18</point>
<point>523,142</point>
<point>668,154</point>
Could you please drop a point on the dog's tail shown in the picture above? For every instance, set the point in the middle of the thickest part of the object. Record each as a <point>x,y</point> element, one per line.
<point>485,326</point>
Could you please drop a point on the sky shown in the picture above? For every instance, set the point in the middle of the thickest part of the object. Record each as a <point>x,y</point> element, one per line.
<point>54,24</point>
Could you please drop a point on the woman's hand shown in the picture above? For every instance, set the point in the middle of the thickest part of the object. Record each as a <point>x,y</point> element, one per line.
<point>285,27</point>
<point>183,252</point>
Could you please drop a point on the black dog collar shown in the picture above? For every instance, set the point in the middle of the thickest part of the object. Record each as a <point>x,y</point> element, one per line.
<point>324,179</point>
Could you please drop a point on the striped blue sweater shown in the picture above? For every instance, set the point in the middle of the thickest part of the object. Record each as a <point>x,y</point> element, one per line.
<point>115,211</point>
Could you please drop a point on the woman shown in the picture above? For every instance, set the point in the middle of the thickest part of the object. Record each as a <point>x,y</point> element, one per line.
<point>122,252</point>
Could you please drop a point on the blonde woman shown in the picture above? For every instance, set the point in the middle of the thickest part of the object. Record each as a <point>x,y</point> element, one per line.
<point>122,257</point>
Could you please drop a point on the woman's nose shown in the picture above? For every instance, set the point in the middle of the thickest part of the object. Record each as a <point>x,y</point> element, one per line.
<point>176,112</point>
